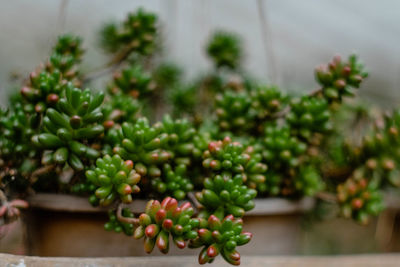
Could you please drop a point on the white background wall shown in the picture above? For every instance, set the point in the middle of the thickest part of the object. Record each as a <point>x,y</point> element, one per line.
<point>302,35</point>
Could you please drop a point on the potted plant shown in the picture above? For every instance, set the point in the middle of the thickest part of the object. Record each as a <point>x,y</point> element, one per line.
<point>229,140</point>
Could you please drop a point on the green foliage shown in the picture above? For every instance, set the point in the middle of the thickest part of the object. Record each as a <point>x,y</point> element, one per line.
<point>114,225</point>
<point>173,182</point>
<point>141,143</point>
<point>233,112</point>
<point>165,219</point>
<point>16,134</point>
<point>114,178</point>
<point>70,126</point>
<point>183,99</point>
<point>132,81</point>
<point>167,75</point>
<point>66,54</point>
<point>292,172</point>
<point>118,109</point>
<point>224,194</point>
<point>46,86</point>
<point>179,134</point>
<point>278,145</point>
<point>221,236</point>
<point>69,45</point>
<point>281,150</point>
<point>230,165</point>
<point>137,33</point>
<point>225,50</point>
<point>338,79</point>
<point>359,199</point>
<point>309,181</point>
<point>43,91</point>
<point>309,115</point>
<point>267,102</point>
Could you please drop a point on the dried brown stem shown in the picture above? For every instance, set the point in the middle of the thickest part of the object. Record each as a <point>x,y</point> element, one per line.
<point>193,200</point>
<point>114,63</point>
<point>316,92</point>
<point>121,218</point>
<point>42,170</point>
<point>3,197</point>
<point>328,197</point>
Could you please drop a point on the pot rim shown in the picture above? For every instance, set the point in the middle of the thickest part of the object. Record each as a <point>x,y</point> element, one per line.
<point>78,204</point>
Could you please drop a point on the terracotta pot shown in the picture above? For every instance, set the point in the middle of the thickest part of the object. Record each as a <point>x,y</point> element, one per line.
<point>64,225</point>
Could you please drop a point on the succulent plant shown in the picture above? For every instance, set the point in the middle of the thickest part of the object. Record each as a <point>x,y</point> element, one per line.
<point>380,152</point>
<point>183,99</point>
<point>117,226</point>
<point>359,199</point>
<point>69,45</point>
<point>281,149</point>
<point>226,156</point>
<point>43,91</point>
<point>165,219</point>
<point>230,167</point>
<point>309,115</point>
<point>167,75</point>
<point>132,81</point>
<point>173,181</point>
<point>68,127</point>
<point>272,184</point>
<point>221,237</point>
<point>338,78</point>
<point>273,144</point>
<point>114,179</point>
<point>137,34</point>
<point>224,194</point>
<point>16,134</point>
<point>233,111</point>
<point>118,108</point>
<point>225,50</point>
<point>179,135</point>
<point>142,143</point>
<point>308,182</point>
<point>267,102</point>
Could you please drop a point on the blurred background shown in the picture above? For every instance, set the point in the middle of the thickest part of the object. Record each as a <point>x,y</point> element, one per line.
<point>284,40</point>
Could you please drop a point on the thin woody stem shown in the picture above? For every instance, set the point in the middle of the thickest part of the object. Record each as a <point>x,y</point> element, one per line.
<point>42,170</point>
<point>3,197</point>
<point>123,219</point>
<point>193,199</point>
<point>115,62</point>
<point>328,197</point>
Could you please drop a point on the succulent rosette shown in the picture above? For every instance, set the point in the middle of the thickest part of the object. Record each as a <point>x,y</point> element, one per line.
<point>173,181</point>
<point>165,219</point>
<point>309,115</point>
<point>70,126</point>
<point>142,143</point>
<point>179,134</point>
<point>221,237</point>
<point>225,50</point>
<point>280,148</point>
<point>267,102</point>
<point>359,199</point>
<point>339,78</point>
<point>132,81</point>
<point>137,33</point>
<point>234,113</point>
<point>115,178</point>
